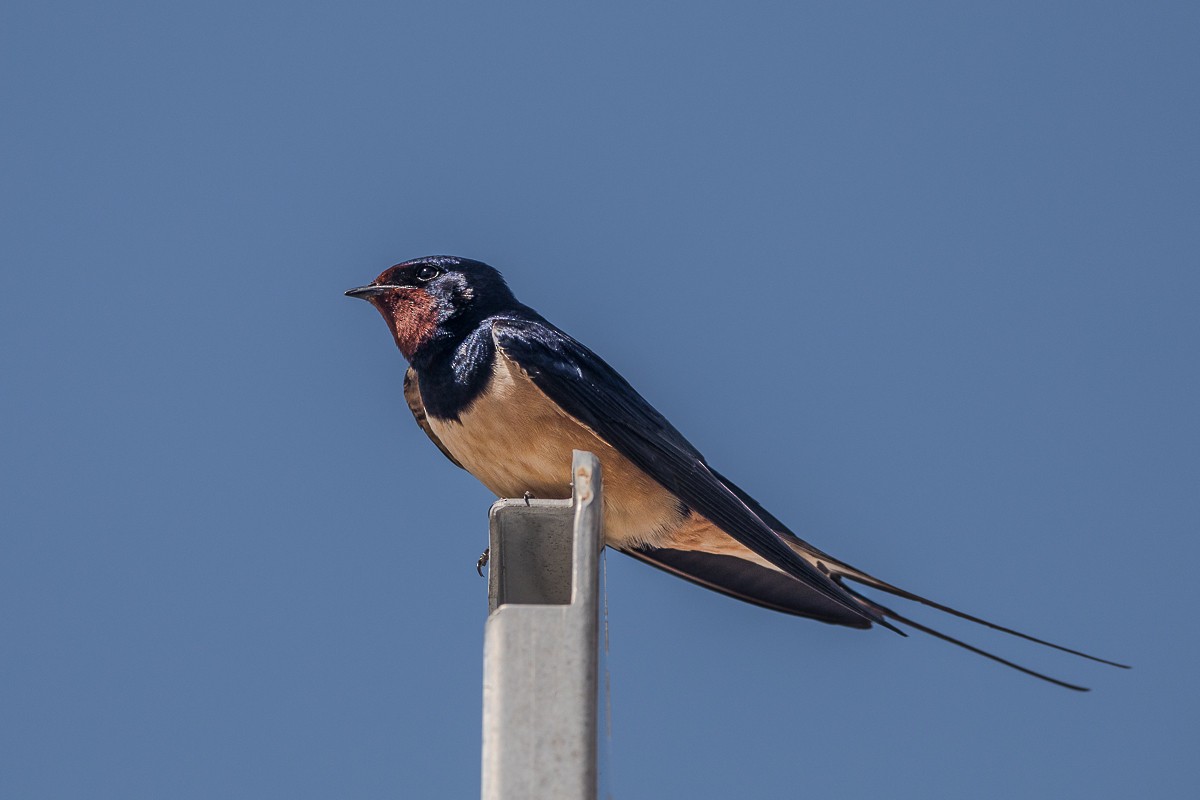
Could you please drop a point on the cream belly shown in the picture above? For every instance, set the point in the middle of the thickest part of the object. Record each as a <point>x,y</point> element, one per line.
<point>514,439</point>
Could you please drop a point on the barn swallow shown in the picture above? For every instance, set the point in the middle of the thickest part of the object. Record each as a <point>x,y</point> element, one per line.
<point>507,396</point>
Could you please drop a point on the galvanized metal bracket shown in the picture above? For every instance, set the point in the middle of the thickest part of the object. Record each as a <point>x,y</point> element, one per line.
<point>541,648</point>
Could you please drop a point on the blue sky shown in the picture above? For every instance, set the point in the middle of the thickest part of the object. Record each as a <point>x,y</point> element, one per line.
<point>923,278</point>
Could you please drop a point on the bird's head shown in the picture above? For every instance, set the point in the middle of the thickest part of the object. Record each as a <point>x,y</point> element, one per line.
<point>435,297</point>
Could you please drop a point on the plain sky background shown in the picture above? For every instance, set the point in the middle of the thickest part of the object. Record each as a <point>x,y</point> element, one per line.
<point>923,278</point>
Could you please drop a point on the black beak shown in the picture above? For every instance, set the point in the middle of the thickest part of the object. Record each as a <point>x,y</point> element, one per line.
<point>364,292</point>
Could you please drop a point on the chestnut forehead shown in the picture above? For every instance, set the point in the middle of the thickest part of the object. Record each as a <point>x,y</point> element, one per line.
<point>394,274</point>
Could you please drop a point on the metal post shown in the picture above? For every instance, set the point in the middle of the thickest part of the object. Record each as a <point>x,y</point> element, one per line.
<point>540,650</point>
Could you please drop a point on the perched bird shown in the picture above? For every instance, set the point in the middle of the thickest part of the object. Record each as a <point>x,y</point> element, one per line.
<point>507,396</point>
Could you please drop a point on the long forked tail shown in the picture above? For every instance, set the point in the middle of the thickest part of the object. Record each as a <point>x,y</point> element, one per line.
<point>875,583</point>
<point>754,583</point>
<point>841,572</point>
<point>882,609</point>
<point>849,573</point>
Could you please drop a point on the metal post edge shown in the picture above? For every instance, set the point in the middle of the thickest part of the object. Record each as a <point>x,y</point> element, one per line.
<point>541,660</point>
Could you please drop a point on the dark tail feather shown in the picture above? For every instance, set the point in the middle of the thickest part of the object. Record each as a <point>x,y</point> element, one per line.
<point>947,638</point>
<point>845,571</point>
<point>875,583</point>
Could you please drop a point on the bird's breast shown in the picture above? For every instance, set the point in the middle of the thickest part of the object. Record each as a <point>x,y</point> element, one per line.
<point>515,439</point>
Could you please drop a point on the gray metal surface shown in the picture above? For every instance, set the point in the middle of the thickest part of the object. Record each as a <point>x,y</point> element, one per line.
<point>540,651</point>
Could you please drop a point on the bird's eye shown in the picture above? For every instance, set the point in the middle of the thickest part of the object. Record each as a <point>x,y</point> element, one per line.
<point>425,272</point>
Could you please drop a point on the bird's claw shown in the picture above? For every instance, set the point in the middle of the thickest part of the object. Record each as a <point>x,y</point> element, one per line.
<point>483,560</point>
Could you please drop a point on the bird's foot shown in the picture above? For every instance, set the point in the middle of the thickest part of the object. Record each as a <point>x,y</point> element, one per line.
<point>483,560</point>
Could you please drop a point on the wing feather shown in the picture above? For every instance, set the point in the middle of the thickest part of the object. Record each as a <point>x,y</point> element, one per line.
<point>412,396</point>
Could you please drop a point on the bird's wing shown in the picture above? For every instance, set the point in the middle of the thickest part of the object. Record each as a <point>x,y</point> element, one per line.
<point>412,396</point>
<point>584,386</point>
